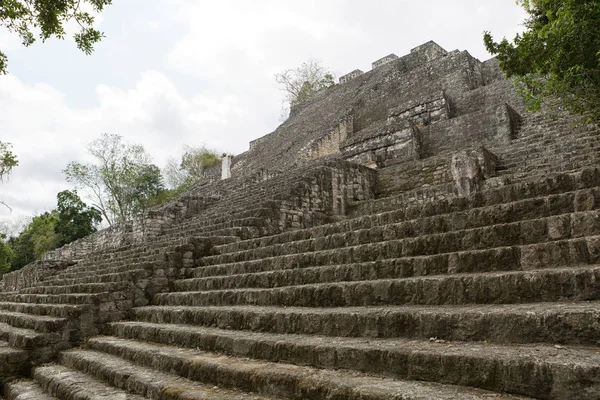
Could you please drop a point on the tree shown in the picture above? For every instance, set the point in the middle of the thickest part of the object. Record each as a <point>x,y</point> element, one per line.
<point>6,255</point>
<point>120,181</point>
<point>37,238</point>
<point>7,159</point>
<point>74,218</point>
<point>303,82</point>
<point>71,220</point>
<point>191,167</point>
<point>557,59</point>
<point>48,17</point>
<point>7,162</point>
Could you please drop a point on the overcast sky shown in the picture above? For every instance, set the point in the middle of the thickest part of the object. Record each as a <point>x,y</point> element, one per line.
<point>173,72</point>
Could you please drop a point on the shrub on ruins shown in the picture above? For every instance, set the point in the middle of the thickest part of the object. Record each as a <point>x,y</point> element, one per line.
<point>190,167</point>
<point>74,218</point>
<point>556,61</point>
<point>301,83</point>
<point>121,180</point>
<point>47,18</point>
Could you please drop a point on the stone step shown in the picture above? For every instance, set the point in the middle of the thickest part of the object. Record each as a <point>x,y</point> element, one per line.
<point>494,259</point>
<point>579,139</point>
<point>13,362</point>
<point>69,298</point>
<point>88,272</point>
<point>42,347</point>
<point>260,211</point>
<point>428,240</point>
<point>563,323</point>
<point>66,311</point>
<point>531,133</point>
<point>21,338</point>
<point>145,261</point>
<point>553,284</point>
<point>419,255</point>
<point>145,252</point>
<point>279,379</point>
<point>88,288</point>
<point>540,370</point>
<point>26,389</point>
<point>557,151</point>
<point>557,163</point>
<point>544,186</point>
<point>127,276</point>
<point>240,232</point>
<point>139,381</point>
<point>464,219</point>
<point>38,323</point>
<point>65,383</point>
<point>201,225</point>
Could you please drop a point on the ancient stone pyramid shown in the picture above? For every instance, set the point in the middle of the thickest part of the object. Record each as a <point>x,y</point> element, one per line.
<point>411,233</point>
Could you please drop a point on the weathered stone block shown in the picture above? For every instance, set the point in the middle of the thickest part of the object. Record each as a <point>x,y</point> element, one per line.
<point>469,168</point>
<point>384,60</point>
<point>508,122</point>
<point>467,175</point>
<point>351,75</point>
<point>226,168</point>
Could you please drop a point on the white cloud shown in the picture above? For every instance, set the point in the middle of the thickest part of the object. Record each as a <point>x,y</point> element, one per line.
<point>8,41</point>
<point>46,133</point>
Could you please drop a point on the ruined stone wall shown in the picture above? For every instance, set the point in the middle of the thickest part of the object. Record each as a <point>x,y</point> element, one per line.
<point>319,197</point>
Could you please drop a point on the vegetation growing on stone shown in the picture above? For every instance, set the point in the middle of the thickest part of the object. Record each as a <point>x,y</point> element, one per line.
<point>191,166</point>
<point>557,59</point>
<point>301,83</point>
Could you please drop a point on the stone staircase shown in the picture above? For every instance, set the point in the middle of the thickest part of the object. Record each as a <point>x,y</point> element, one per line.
<point>297,284</point>
<point>495,294</point>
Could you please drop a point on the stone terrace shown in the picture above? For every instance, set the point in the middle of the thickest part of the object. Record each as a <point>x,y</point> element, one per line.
<point>410,233</point>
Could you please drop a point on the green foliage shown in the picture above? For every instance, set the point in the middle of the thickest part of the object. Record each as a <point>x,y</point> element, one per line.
<point>74,218</point>
<point>49,17</point>
<point>6,255</point>
<point>7,159</point>
<point>22,251</point>
<point>120,181</point>
<point>192,166</point>
<point>557,59</point>
<point>168,195</point>
<point>302,83</point>
<point>197,160</point>
<point>37,238</point>
<point>71,220</point>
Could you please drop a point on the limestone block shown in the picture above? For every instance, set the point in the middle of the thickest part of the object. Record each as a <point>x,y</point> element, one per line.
<point>508,122</point>
<point>226,168</point>
<point>467,174</point>
<point>430,50</point>
<point>351,75</point>
<point>385,60</point>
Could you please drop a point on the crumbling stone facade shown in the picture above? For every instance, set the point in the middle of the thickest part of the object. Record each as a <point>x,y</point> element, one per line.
<point>408,233</point>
